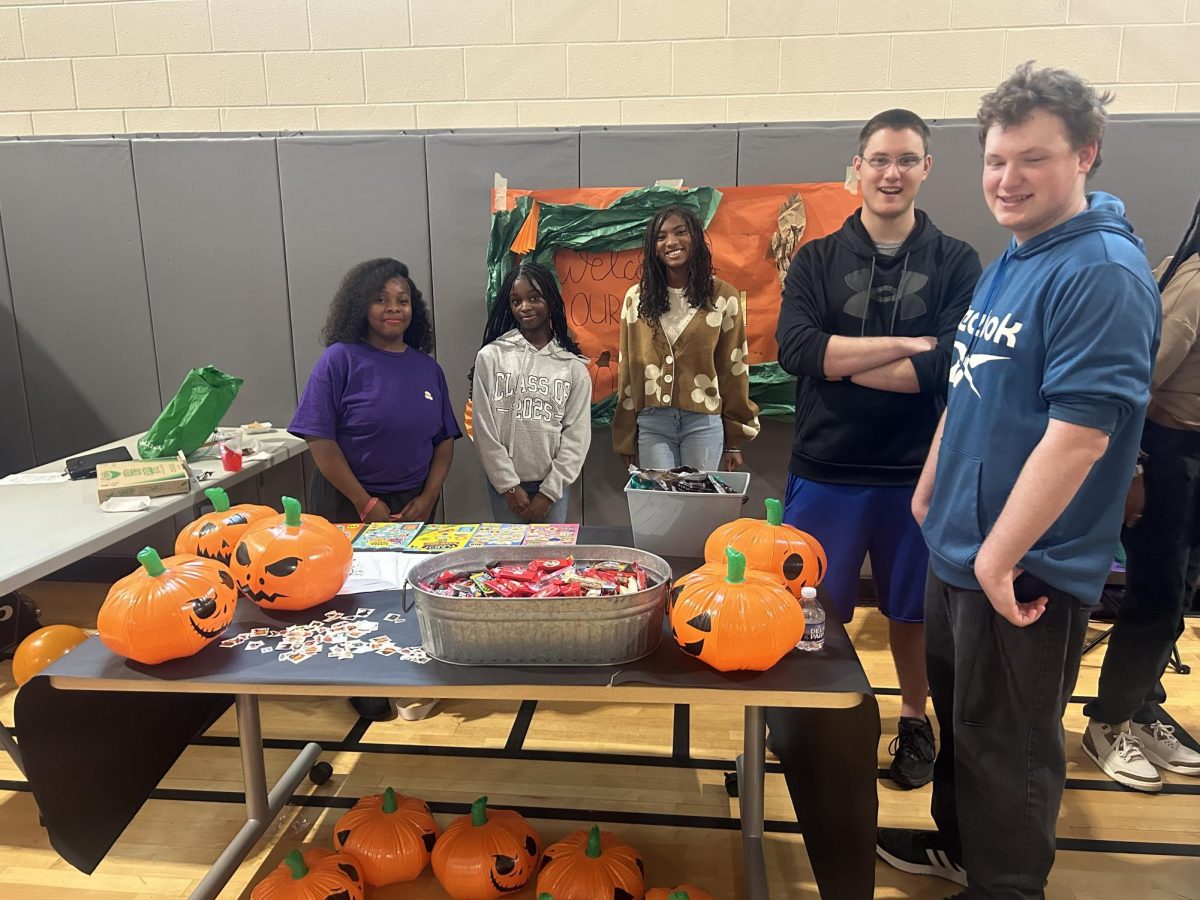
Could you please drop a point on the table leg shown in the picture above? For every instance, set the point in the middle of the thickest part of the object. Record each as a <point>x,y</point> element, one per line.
<point>261,807</point>
<point>751,771</point>
<point>9,745</point>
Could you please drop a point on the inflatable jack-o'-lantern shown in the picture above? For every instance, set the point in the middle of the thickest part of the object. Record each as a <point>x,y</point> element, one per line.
<point>315,874</point>
<point>485,855</point>
<point>293,561</point>
<point>42,647</point>
<point>215,534</point>
<point>592,865</point>
<point>390,834</point>
<point>168,608</point>
<point>733,622</point>
<point>793,556</point>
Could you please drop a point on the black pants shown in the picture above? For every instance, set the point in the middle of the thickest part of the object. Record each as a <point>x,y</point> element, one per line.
<point>1000,692</point>
<point>326,500</point>
<point>1162,565</point>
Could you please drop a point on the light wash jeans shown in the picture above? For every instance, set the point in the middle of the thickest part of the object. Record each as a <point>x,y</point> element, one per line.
<point>668,438</point>
<point>501,512</point>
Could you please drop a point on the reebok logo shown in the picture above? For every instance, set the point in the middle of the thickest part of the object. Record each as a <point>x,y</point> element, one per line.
<point>965,364</point>
<point>991,328</point>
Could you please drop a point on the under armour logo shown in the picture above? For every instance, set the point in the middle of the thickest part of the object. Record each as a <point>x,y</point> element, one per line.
<point>964,364</point>
<point>911,304</point>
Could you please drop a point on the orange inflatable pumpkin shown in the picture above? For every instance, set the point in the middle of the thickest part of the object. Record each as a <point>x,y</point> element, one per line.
<point>215,534</point>
<point>292,561</point>
<point>168,608</point>
<point>679,892</point>
<point>42,647</point>
<point>793,556</point>
<point>590,865</point>
<point>391,834</point>
<point>487,854</point>
<point>734,623</point>
<point>315,874</point>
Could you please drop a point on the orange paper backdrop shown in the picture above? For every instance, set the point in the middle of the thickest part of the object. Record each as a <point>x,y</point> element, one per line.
<point>740,233</point>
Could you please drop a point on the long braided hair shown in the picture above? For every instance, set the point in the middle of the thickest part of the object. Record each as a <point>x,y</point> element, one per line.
<point>1188,247</point>
<point>700,288</point>
<point>501,319</point>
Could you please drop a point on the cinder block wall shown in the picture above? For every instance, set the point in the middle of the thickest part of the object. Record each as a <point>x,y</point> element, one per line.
<point>97,66</point>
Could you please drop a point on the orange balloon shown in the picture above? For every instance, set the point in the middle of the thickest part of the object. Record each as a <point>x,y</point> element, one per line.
<point>43,647</point>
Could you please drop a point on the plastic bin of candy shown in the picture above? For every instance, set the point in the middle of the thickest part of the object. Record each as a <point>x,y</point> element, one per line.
<point>539,631</point>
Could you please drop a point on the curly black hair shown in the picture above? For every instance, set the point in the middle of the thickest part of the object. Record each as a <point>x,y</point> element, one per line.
<point>501,319</point>
<point>700,288</point>
<point>347,319</point>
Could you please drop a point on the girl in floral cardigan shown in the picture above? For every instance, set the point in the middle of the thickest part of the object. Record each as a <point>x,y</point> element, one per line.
<point>683,384</point>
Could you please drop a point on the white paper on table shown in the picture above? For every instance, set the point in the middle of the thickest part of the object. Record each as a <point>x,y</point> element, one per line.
<point>34,478</point>
<point>380,567</point>
<point>125,504</point>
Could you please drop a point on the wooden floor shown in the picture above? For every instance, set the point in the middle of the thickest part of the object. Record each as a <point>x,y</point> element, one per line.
<point>1116,844</point>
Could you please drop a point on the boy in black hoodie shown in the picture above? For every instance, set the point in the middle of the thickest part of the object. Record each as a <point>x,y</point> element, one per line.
<point>868,323</point>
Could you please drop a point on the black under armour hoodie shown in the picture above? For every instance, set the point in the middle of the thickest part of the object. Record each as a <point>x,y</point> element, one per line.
<point>840,284</point>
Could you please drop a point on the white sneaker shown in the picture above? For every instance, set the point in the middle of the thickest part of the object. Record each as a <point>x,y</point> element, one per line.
<point>1119,755</point>
<point>1164,750</point>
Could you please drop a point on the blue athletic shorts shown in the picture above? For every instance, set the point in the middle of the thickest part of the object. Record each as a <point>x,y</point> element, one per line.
<point>852,521</point>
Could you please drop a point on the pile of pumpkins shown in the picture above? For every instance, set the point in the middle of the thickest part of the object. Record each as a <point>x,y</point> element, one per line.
<point>174,607</point>
<point>390,838</point>
<point>741,610</point>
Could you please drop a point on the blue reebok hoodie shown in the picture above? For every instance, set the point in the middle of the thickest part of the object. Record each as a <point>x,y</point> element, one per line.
<point>1064,326</point>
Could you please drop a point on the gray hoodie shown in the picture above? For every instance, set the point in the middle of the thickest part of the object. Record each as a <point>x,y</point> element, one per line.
<point>531,411</point>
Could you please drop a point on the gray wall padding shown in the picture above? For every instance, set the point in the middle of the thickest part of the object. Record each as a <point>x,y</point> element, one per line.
<point>74,254</point>
<point>246,239</point>
<point>16,449</point>
<point>347,199</point>
<point>215,267</point>
<point>461,169</point>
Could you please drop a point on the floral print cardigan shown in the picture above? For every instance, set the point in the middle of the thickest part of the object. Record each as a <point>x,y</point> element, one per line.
<point>705,371</point>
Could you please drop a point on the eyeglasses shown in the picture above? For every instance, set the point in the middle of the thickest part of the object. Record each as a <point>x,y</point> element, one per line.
<point>883,163</point>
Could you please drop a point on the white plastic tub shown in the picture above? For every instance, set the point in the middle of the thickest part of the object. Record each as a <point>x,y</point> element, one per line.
<point>670,524</point>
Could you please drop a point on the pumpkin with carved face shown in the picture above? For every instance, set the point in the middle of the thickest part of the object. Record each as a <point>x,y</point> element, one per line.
<point>315,874</point>
<point>793,556</point>
<point>391,834</point>
<point>293,561</point>
<point>168,608</point>
<point>735,622</point>
<point>215,534</point>
<point>487,854</point>
<point>592,865</point>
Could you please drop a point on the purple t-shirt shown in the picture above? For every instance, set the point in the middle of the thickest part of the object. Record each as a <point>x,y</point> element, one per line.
<point>387,411</point>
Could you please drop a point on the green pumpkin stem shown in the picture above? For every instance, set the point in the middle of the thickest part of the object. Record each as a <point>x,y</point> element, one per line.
<point>218,498</point>
<point>735,566</point>
<point>774,515</point>
<point>295,862</point>
<point>389,801</point>
<point>683,895</point>
<point>479,812</point>
<point>593,847</point>
<point>544,896</point>
<point>151,561</point>
<point>291,512</point>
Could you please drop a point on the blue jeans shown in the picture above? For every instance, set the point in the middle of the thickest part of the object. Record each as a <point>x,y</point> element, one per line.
<point>501,512</point>
<point>668,438</point>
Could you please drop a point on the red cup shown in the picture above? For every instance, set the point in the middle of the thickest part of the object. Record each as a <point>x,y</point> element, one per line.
<point>231,460</point>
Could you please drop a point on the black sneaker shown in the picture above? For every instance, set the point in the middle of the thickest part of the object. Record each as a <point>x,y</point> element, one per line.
<point>913,754</point>
<point>374,709</point>
<point>919,853</point>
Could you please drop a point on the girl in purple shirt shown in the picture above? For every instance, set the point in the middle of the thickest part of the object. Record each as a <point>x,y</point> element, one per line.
<point>376,411</point>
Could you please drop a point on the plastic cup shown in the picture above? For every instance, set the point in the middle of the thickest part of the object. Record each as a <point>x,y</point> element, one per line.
<point>231,458</point>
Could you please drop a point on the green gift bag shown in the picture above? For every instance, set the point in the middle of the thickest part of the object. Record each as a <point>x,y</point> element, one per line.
<point>196,409</point>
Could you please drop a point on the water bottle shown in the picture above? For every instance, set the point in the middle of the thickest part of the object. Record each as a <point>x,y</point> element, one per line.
<point>814,621</point>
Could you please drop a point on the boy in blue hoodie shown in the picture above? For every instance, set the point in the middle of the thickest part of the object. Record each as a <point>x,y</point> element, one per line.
<point>1021,498</point>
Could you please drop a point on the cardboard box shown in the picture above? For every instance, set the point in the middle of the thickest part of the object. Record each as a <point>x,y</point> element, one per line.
<point>143,478</point>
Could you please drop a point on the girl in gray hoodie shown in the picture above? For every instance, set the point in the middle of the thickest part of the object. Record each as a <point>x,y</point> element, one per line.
<point>531,400</point>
